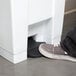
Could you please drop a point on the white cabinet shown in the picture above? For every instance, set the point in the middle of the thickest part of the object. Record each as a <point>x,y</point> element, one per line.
<point>22,18</point>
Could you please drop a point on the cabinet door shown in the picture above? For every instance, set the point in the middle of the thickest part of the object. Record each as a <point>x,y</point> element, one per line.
<point>39,10</point>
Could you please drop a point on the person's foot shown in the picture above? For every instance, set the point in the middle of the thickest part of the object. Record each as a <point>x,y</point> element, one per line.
<point>54,52</point>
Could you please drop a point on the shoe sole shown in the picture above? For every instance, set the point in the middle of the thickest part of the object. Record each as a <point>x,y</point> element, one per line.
<point>55,56</point>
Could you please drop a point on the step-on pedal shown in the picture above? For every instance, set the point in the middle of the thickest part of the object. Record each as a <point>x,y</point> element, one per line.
<point>33,51</point>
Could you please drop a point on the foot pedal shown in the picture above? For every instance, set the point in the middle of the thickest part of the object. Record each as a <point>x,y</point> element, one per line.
<point>33,47</point>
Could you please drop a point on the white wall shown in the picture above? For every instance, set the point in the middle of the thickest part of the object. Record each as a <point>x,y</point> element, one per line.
<point>5,25</point>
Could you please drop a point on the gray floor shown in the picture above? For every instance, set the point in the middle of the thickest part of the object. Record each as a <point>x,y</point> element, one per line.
<point>38,67</point>
<point>42,66</point>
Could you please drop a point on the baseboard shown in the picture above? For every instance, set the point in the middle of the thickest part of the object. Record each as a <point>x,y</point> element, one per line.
<point>70,11</point>
<point>14,58</point>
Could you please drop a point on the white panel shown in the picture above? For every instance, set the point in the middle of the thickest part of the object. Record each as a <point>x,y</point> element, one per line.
<point>19,25</point>
<point>39,10</point>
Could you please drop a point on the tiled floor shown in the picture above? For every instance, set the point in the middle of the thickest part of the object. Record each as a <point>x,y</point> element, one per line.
<point>38,67</point>
<point>42,66</point>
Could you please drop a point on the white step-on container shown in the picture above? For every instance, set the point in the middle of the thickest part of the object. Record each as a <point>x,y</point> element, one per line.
<point>20,19</point>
